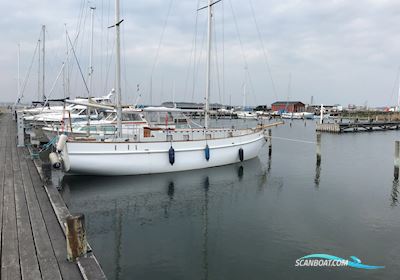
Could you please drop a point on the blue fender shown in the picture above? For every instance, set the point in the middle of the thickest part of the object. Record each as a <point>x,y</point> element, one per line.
<point>207,152</point>
<point>241,154</point>
<point>171,155</point>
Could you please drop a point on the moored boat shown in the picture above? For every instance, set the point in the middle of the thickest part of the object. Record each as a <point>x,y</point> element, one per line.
<point>297,115</point>
<point>149,150</point>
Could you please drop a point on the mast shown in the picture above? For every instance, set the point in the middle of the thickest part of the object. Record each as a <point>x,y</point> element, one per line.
<point>207,106</point>
<point>18,79</point>
<point>90,69</point>
<point>38,93</point>
<point>67,62</point>
<point>398,95</point>
<point>244,96</point>
<point>43,61</point>
<point>91,53</point>
<point>118,69</point>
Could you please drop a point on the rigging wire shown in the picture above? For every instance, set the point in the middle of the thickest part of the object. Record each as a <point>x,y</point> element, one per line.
<point>216,60</point>
<point>155,62</point>
<point>77,33</point>
<point>242,50</point>
<point>24,83</point>
<point>77,62</point>
<point>396,87</point>
<point>53,86</point>
<point>79,44</point>
<point>196,70</point>
<point>192,51</point>
<point>110,59</point>
<point>263,50</point>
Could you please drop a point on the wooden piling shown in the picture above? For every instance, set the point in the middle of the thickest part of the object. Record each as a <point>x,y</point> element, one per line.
<point>76,237</point>
<point>396,159</point>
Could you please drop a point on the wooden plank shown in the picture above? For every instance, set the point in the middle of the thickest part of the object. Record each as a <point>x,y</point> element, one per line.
<point>88,266</point>
<point>45,209</point>
<point>47,261</point>
<point>57,238</point>
<point>2,173</point>
<point>28,259</point>
<point>10,268</point>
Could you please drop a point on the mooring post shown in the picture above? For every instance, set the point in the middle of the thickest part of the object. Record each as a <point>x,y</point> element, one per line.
<point>270,142</point>
<point>76,237</point>
<point>20,129</point>
<point>396,159</point>
<point>318,148</point>
<point>321,121</point>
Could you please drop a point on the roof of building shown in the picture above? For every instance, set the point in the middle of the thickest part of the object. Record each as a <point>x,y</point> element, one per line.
<point>287,103</point>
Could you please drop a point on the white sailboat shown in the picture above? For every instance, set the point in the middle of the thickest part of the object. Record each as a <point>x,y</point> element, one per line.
<point>148,150</point>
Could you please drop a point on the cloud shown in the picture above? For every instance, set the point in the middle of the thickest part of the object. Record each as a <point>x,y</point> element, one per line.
<point>337,51</point>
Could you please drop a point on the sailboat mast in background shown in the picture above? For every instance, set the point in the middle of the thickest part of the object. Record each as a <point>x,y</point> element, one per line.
<point>118,69</point>
<point>43,61</point>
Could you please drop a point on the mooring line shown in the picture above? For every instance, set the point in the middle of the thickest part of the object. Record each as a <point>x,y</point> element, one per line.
<point>293,140</point>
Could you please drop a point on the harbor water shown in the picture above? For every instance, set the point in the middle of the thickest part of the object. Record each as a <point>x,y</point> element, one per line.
<point>251,220</point>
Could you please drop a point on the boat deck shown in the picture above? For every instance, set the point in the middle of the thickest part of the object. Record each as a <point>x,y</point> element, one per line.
<point>33,244</point>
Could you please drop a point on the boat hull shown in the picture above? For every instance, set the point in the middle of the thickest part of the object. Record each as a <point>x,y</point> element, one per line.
<point>302,115</point>
<point>130,158</point>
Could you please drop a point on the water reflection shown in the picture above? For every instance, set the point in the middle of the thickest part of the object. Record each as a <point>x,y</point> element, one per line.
<point>171,190</point>
<point>318,162</point>
<point>122,210</point>
<point>317,171</point>
<point>395,193</point>
<point>205,227</point>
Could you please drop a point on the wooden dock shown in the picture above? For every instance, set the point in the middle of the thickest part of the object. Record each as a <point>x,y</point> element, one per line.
<point>358,126</point>
<point>33,244</point>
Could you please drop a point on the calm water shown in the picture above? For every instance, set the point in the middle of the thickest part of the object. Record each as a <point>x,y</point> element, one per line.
<point>251,220</point>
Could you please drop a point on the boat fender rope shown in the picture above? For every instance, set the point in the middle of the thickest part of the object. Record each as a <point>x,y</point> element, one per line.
<point>45,147</point>
<point>241,154</point>
<point>171,155</point>
<point>207,152</point>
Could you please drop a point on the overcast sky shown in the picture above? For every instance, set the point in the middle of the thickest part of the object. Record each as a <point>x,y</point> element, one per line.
<point>337,51</point>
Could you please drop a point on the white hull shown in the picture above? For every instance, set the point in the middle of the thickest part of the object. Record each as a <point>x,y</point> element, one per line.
<point>301,115</point>
<point>130,158</point>
<point>246,115</point>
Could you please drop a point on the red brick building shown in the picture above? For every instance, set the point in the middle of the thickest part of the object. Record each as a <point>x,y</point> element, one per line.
<point>288,106</point>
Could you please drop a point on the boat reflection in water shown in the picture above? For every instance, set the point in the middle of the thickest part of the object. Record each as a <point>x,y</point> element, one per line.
<point>157,226</point>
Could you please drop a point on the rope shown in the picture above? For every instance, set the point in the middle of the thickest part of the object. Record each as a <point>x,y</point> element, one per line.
<point>293,140</point>
<point>45,147</point>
